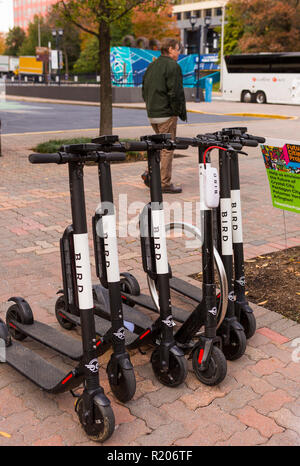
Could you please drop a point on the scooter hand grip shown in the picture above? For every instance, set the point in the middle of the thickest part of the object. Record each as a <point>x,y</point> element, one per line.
<point>182,146</point>
<point>45,158</point>
<point>183,141</point>
<point>236,145</point>
<point>250,142</point>
<point>259,139</point>
<point>137,145</point>
<point>115,157</point>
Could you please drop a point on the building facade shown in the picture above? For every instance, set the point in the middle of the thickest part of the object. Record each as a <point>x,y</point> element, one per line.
<point>196,21</point>
<point>24,10</point>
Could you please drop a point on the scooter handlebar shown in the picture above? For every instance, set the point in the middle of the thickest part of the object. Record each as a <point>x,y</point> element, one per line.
<point>115,157</point>
<point>45,158</point>
<point>184,141</point>
<point>182,146</point>
<point>136,145</point>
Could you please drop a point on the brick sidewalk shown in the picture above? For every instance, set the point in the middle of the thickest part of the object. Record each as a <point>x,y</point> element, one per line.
<point>256,404</point>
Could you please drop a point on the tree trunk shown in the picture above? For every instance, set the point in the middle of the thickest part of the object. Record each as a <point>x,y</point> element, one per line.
<point>105,80</point>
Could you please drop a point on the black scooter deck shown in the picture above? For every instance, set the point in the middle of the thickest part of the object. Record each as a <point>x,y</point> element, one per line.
<point>40,371</point>
<point>49,336</point>
<point>102,308</point>
<point>187,289</point>
<point>146,301</point>
<point>103,328</point>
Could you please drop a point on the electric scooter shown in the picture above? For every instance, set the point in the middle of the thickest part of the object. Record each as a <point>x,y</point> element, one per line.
<point>171,370</point>
<point>243,311</point>
<point>112,334</point>
<point>92,406</point>
<point>239,322</point>
<point>208,359</point>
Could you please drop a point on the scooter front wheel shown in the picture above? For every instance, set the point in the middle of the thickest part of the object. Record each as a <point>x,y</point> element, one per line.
<point>176,373</point>
<point>216,370</point>
<point>125,386</point>
<point>130,285</point>
<point>103,424</point>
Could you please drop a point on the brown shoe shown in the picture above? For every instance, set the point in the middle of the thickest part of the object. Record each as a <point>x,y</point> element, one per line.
<point>172,189</point>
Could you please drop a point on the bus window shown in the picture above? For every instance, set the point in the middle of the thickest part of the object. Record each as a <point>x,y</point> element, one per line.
<point>286,64</point>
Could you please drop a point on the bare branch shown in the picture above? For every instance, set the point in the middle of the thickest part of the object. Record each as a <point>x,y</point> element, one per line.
<point>70,18</point>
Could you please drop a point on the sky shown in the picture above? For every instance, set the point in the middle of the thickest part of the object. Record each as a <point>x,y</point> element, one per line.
<point>6,15</point>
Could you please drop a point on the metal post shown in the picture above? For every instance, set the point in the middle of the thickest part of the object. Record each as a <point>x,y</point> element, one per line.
<point>198,67</point>
<point>222,47</point>
<point>39,32</point>
<point>58,56</point>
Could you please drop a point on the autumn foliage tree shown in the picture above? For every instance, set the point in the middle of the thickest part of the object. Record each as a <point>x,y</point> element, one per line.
<point>155,24</point>
<point>96,17</point>
<point>2,43</point>
<point>265,26</point>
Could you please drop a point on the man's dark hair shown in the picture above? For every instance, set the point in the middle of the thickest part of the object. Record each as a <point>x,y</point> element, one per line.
<point>167,43</point>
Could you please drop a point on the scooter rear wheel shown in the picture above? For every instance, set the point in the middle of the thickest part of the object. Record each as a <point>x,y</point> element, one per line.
<point>177,369</point>
<point>236,346</point>
<point>248,321</point>
<point>104,421</point>
<point>217,368</point>
<point>125,387</point>
<point>60,306</point>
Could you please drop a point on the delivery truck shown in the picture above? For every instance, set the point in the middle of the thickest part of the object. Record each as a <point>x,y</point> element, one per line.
<point>8,65</point>
<point>29,66</point>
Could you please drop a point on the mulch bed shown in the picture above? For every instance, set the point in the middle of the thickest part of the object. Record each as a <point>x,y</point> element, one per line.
<point>273,281</point>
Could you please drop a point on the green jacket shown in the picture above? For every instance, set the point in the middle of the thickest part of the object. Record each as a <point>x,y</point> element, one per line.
<point>163,89</point>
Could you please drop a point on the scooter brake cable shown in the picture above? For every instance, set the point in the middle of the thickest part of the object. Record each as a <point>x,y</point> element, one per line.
<point>209,149</point>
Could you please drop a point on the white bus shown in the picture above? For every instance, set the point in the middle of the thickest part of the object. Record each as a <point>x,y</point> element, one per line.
<point>262,77</point>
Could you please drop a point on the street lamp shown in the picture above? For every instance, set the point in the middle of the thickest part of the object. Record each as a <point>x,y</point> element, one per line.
<point>193,20</point>
<point>58,34</point>
<point>222,45</point>
<point>207,21</point>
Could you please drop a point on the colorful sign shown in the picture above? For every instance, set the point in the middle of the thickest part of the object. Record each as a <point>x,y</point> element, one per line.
<point>282,162</point>
<point>129,64</point>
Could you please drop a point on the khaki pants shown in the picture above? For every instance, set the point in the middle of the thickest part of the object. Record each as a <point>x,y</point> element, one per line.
<point>166,156</point>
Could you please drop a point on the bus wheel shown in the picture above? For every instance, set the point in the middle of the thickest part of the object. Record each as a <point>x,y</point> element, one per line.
<point>260,97</point>
<point>246,96</point>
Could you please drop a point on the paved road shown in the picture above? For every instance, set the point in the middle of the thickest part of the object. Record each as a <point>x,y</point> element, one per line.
<point>23,117</point>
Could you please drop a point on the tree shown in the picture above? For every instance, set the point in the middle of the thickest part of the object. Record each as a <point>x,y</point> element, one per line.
<point>233,30</point>
<point>155,24</point>
<point>2,44</point>
<point>268,26</point>
<point>14,40</point>
<point>88,61</point>
<point>70,41</point>
<point>36,28</point>
<point>119,29</point>
<point>96,18</point>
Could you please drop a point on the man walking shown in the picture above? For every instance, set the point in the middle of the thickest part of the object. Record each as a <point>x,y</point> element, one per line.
<point>165,102</point>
